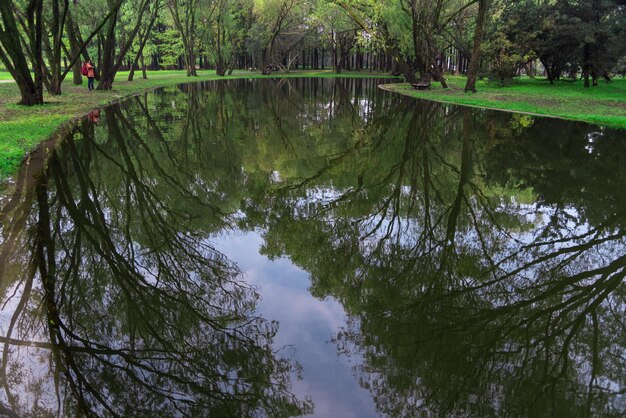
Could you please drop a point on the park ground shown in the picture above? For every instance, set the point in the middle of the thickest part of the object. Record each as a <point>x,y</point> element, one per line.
<point>603,105</point>
<point>22,128</point>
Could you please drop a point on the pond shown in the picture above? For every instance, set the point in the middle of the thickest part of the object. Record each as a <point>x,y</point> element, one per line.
<point>315,247</point>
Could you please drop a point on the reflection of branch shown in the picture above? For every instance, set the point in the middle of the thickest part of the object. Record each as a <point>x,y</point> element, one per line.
<point>156,165</point>
<point>26,293</point>
<point>171,324</point>
<point>278,120</point>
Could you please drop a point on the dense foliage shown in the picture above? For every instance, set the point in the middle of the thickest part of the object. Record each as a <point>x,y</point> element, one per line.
<point>42,41</point>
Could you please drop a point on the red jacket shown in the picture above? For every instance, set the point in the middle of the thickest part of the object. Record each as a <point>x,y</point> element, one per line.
<point>90,71</point>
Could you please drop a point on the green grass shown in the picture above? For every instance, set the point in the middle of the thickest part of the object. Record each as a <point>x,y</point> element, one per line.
<point>603,105</point>
<point>5,75</point>
<point>22,127</point>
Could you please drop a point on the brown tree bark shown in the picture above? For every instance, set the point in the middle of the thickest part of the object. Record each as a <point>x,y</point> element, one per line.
<point>343,44</point>
<point>73,33</point>
<point>107,57</point>
<point>472,72</point>
<point>54,52</point>
<point>75,49</point>
<point>13,56</point>
<point>144,74</point>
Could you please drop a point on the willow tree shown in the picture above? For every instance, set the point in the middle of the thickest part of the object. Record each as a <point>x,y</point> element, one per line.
<point>412,31</point>
<point>272,18</point>
<point>222,20</point>
<point>338,31</point>
<point>184,16</point>
<point>59,26</point>
<point>53,47</point>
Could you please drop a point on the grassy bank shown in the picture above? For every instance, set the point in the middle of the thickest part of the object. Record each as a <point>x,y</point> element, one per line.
<point>22,128</point>
<point>603,105</point>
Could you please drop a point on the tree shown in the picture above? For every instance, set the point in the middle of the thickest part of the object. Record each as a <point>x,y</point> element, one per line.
<point>54,47</point>
<point>272,18</point>
<point>602,26</point>
<point>112,59</point>
<point>62,18</point>
<point>75,40</point>
<point>143,37</point>
<point>558,41</point>
<point>339,31</point>
<point>472,72</point>
<point>13,54</point>
<point>226,24</point>
<point>566,35</point>
<point>411,30</point>
<point>184,17</point>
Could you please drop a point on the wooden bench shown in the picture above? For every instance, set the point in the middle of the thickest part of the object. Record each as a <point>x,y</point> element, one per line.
<point>424,82</point>
<point>421,85</point>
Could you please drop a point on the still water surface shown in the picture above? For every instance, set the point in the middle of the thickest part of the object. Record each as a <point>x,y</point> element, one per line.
<point>302,246</point>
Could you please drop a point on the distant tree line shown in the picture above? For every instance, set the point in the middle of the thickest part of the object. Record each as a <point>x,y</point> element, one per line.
<point>42,41</point>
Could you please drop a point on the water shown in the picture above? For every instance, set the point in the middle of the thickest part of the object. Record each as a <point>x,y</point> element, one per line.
<point>315,247</point>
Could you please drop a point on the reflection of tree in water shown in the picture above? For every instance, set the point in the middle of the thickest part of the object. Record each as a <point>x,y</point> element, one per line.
<point>463,302</point>
<point>141,315</point>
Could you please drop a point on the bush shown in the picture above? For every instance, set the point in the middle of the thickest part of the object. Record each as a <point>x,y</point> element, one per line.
<point>503,59</point>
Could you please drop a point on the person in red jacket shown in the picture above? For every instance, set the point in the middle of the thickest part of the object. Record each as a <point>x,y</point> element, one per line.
<point>91,74</point>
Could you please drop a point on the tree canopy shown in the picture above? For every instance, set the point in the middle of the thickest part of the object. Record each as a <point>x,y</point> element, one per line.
<point>42,41</point>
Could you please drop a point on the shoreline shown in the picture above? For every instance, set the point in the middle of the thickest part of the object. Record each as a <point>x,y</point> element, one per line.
<point>562,108</point>
<point>387,87</point>
<point>23,129</point>
<point>43,123</point>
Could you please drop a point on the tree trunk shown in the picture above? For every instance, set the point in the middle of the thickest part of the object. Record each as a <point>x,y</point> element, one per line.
<point>406,69</point>
<point>110,63</point>
<point>459,62</point>
<point>59,16</point>
<point>144,74</point>
<point>586,77</point>
<point>439,76</point>
<point>530,69</point>
<point>187,30</point>
<point>73,34</point>
<point>220,62</point>
<point>74,49</point>
<point>143,38</point>
<point>265,60</point>
<point>107,75</point>
<point>594,78</point>
<point>190,62</point>
<point>14,57</point>
<point>472,72</point>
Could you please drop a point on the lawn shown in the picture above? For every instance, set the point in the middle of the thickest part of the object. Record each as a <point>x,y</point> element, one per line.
<point>603,105</point>
<point>5,75</point>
